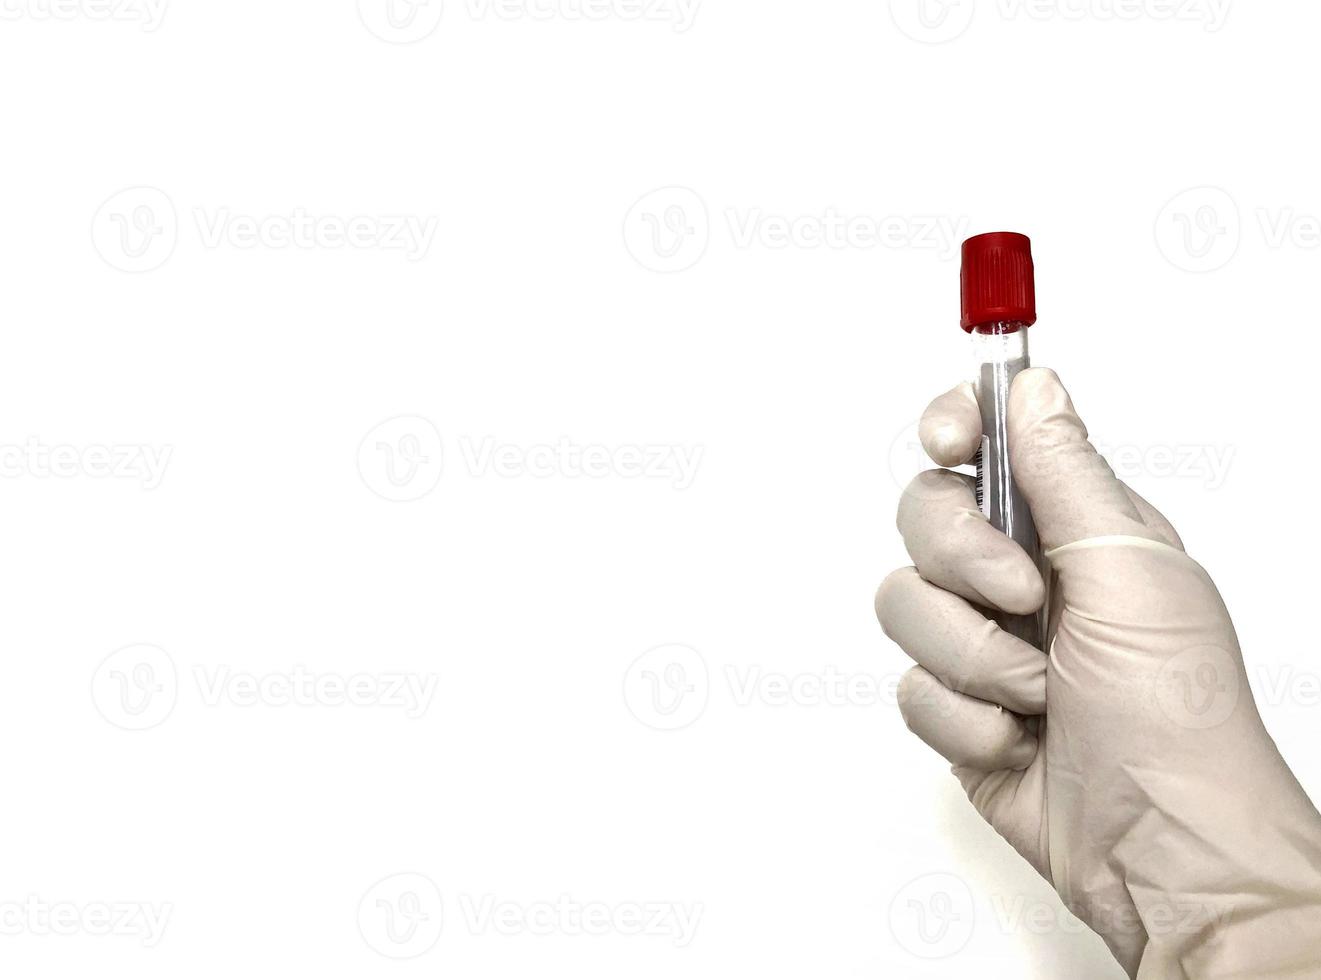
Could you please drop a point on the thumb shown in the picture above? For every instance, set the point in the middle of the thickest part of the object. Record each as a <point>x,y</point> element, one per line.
<point>1071,490</point>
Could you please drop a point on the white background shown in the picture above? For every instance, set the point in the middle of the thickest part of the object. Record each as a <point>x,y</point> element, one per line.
<point>157,306</point>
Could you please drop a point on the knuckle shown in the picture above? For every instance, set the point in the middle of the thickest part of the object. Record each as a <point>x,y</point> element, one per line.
<point>929,498</point>
<point>932,484</point>
<point>893,592</point>
<point>908,694</point>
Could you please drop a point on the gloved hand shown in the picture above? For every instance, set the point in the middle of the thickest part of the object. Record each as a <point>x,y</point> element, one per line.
<point>1130,765</point>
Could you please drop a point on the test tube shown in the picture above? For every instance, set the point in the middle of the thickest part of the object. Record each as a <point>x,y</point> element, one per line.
<point>999,304</point>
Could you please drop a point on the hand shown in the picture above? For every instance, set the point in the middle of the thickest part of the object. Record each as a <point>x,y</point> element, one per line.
<point>1130,765</point>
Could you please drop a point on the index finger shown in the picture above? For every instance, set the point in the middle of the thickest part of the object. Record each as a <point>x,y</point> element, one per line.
<point>951,427</point>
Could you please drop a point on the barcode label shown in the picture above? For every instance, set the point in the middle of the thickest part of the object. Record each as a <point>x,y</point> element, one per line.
<point>983,504</point>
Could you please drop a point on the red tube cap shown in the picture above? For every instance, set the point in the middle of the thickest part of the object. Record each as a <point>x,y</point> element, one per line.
<point>997,280</point>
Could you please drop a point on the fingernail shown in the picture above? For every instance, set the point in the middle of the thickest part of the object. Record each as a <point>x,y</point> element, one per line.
<point>946,443</point>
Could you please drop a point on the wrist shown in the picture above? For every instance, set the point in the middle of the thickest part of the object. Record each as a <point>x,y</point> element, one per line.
<point>1234,922</point>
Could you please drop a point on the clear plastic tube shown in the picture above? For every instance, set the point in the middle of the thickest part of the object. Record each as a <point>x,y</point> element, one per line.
<point>1000,351</point>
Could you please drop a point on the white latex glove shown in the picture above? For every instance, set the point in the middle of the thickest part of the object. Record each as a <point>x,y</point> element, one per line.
<point>1148,792</point>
